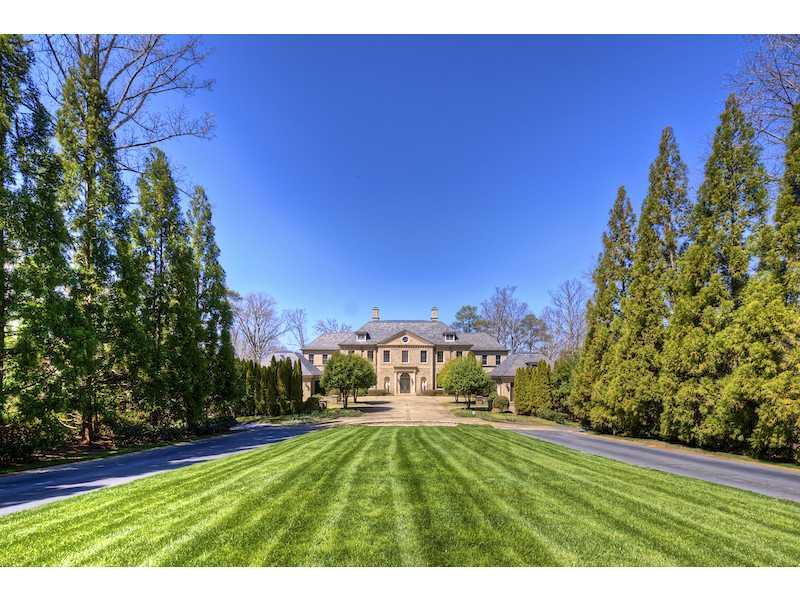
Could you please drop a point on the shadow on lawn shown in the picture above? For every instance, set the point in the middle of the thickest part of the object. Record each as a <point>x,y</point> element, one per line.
<point>31,488</point>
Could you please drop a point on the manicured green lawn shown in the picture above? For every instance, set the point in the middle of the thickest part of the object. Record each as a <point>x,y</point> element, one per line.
<point>408,496</point>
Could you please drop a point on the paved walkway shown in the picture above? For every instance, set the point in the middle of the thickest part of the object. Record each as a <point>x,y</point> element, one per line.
<point>19,491</point>
<point>404,410</point>
<point>776,481</point>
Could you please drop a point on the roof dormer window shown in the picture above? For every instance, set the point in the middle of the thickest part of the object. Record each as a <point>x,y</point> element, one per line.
<point>450,337</point>
<point>362,336</point>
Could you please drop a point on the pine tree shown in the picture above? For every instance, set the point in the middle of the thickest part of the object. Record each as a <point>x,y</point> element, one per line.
<point>724,227</point>
<point>95,201</point>
<point>633,401</point>
<point>285,384</point>
<point>612,280</point>
<point>33,240</point>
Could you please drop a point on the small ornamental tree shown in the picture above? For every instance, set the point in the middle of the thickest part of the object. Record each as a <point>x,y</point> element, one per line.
<point>337,377</point>
<point>465,378</point>
<point>362,374</point>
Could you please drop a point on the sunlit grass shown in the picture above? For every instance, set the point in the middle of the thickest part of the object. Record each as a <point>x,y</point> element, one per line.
<point>408,496</point>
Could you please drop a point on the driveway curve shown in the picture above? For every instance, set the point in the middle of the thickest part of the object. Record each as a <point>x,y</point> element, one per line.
<point>19,491</point>
<point>776,481</point>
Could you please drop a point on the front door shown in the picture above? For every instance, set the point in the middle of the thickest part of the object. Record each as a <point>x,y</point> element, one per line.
<point>405,383</point>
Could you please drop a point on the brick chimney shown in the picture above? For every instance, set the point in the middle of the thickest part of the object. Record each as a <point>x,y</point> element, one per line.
<point>434,314</point>
<point>376,314</point>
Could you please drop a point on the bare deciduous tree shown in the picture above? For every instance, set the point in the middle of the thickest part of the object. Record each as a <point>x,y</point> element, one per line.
<point>566,318</point>
<point>330,326</point>
<point>769,84</point>
<point>258,327</point>
<point>133,71</point>
<point>502,316</point>
<point>295,321</point>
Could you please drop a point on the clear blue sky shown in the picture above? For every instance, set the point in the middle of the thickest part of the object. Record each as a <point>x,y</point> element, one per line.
<point>406,172</point>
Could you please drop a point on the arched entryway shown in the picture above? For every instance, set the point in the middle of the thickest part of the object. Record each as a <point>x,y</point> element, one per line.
<point>405,383</point>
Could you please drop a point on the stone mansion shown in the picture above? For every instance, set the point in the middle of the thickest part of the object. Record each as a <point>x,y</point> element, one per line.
<point>407,355</point>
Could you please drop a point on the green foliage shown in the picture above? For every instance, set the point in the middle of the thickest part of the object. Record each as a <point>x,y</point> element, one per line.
<point>500,404</point>
<point>561,379</point>
<point>631,402</point>
<point>725,229</point>
<point>533,391</point>
<point>34,311</point>
<point>467,319</point>
<point>464,377</point>
<point>612,280</point>
<point>346,374</point>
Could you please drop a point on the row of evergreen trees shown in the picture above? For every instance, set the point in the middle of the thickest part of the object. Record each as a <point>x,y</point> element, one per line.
<point>694,325</point>
<point>273,389</point>
<point>103,310</point>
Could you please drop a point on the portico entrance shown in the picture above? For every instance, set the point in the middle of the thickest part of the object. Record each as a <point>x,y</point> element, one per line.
<point>405,383</point>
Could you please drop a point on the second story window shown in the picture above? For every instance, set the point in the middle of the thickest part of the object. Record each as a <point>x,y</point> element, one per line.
<point>404,356</point>
<point>484,359</point>
<point>440,356</point>
<point>311,358</point>
<point>370,355</point>
<point>423,356</point>
<point>324,358</point>
<point>386,356</point>
<point>497,359</point>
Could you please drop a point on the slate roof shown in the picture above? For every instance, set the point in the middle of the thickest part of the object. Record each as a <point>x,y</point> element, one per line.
<point>383,330</point>
<point>306,367</point>
<point>517,360</point>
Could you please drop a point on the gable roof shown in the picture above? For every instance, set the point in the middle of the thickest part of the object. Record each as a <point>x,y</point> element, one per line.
<point>306,367</point>
<point>517,360</point>
<point>380,331</point>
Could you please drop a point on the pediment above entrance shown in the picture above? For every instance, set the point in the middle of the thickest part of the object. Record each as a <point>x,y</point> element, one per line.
<point>406,338</point>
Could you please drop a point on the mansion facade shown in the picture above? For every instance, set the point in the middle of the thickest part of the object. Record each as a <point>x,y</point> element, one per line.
<point>407,355</point>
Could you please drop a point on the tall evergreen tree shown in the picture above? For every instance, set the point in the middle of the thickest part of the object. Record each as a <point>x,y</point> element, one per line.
<point>95,200</point>
<point>33,240</point>
<point>768,324</point>
<point>171,318</point>
<point>612,280</point>
<point>633,401</point>
<point>212,303</point>
<point>725,225</point>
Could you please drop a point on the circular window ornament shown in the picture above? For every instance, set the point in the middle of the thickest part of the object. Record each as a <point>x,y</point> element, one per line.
<point>405,339</point>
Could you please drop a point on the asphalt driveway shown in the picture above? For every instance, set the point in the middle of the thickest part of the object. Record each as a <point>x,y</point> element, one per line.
<point>779,482</point>
<point>19,491</point>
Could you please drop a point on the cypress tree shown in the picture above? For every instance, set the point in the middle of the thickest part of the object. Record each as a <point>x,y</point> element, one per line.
<point>95,199</point>
<point>212,302</point>
<point>724,226</point>
<point>633,400</point>
<point>521,404</point>
<point>271,390</point>
<point>541,391</point>
<point>171,319</point>
<point>33,240</point>
<point>285,384</point>
<point>297,388</point>
<point>769,322</point>
<point>611,279</point>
